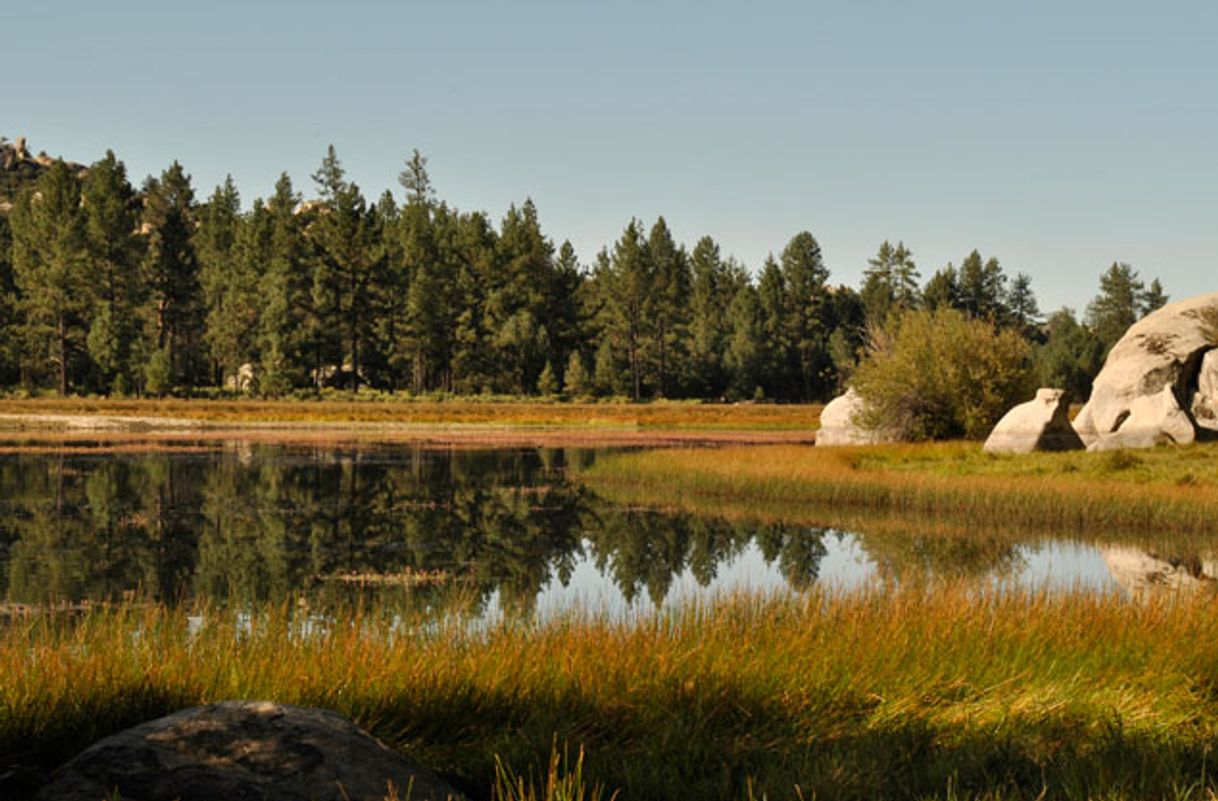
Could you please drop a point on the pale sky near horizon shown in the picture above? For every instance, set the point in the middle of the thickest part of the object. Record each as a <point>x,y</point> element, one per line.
<point>1059,137</point>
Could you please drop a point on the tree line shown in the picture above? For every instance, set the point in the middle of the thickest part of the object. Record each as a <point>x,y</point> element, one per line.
<point>108,289</point>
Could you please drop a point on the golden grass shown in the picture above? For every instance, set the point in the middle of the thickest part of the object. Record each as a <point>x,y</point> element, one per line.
<point>876,694</point>
<point>1165,491</point>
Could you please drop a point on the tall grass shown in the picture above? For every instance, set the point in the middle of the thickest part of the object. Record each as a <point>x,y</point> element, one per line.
<point>876,694</point>
<point>1170,490</point>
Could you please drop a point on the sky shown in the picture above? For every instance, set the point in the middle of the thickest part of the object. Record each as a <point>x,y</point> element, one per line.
<point>1058,137</point>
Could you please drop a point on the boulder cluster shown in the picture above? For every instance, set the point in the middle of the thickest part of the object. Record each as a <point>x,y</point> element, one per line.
<point>1159,385</point>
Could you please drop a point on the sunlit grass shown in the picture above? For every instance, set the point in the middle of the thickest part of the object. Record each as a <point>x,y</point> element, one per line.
<point>1164,491</point>
<point>874,694</point>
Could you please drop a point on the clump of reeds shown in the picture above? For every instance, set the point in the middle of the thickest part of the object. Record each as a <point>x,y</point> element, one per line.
<point>874,694</point>
<point>1172,490</point>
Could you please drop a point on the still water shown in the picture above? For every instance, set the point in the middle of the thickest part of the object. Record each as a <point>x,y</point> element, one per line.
<point>502,530</point>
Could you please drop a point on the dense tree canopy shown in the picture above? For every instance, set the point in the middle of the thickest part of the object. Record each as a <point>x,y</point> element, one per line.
<point>104,288</point>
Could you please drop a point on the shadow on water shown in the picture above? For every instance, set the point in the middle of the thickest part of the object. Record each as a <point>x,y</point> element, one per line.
<point>495,531</point>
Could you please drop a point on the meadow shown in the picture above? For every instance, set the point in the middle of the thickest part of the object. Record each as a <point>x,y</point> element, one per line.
<point>876,694</point>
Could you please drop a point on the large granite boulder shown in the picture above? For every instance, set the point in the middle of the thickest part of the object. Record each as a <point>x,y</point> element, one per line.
<point>1163,349</point>
<point>1153,420</point>
<point>244,751</point>
<point>1205,400</point>
<point>839,423</point>
<point>1041,424</point>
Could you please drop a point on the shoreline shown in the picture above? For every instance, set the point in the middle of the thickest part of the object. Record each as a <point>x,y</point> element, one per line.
<point>94,433</point>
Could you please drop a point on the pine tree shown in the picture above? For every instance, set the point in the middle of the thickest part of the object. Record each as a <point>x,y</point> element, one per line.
<point>50,261</point>
<point>576,381</point>
<point>668,308</point>
<point>773,361</point>
<point>942,291</point>
<point>518,306</point>
<point>805,274</point>
<point>1118,304</point>
<point>847,315</point>
<point>1154,298</point>
<point>285,292</point>
<point>1070,357</point>
<point>116,286</point>
<point>712,290</point>
<point>342,288</point>
<point>890,282</point>
<point>982,288</point>
<point>475,248</point>
<point>547,382</point>
<point>562,317</point>
<point>225,282</point>
<point>172,271</point>
<point>1022,306</point>
<point>9,346</point>
<point>628,290</point>
<point>744,355</point>
<point>415,180</point>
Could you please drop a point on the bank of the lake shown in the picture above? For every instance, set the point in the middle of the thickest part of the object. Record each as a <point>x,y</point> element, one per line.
<point>1170,491</point>
<point>877,694</point>
<point>387,409</point>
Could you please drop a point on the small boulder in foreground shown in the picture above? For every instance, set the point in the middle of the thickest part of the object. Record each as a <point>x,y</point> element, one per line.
<point>1041,424</point>
<point>244,751</point>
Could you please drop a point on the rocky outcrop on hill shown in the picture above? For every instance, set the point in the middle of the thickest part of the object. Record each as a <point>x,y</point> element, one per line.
<point>1168,352</point>
<point>1041,424</point>
<point>19,169</point>
<point>244,751</point>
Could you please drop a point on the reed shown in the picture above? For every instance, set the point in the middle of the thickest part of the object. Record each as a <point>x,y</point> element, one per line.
<point>1168,491</point>
<point>919,693</point>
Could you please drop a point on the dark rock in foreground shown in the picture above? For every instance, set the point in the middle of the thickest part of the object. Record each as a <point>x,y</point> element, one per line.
<point>244,751</point>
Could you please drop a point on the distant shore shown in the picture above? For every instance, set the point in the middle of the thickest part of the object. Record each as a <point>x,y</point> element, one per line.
<point>114,424</point>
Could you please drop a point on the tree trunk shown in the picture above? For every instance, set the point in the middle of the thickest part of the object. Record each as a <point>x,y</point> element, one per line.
<point>63,356</point>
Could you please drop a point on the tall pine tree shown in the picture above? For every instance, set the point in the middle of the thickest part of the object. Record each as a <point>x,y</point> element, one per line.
<point>50,263</point>
<point>117,288</point>
<point>171,270</point>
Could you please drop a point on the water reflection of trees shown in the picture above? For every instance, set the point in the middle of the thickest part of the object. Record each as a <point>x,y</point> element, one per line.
<point>277,524</point>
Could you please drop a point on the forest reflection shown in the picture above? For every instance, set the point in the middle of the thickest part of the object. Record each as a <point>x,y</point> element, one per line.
<point>245,523</point>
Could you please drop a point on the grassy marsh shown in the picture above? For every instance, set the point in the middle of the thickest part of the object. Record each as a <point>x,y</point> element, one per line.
<point>1166,491</point>
<point>877,694</point>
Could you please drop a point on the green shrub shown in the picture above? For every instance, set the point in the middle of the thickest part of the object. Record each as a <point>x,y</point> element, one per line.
<point>158,374</point>
<point>940,375</point>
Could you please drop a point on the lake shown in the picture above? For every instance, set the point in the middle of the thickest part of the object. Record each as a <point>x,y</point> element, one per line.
<point>498,532</point>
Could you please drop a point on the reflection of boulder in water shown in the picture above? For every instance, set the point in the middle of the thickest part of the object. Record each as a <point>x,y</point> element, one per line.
<point>1142,573</point>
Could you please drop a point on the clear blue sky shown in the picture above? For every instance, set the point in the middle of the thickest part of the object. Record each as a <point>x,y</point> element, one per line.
<point>1058,136</point>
